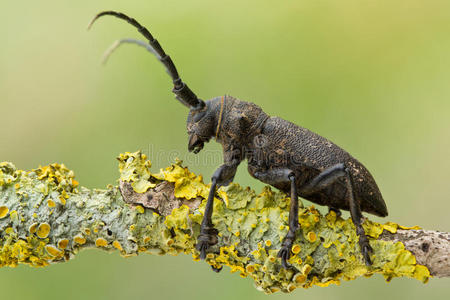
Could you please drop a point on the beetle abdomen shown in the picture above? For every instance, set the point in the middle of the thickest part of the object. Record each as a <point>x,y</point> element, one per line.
<point>290,146</point>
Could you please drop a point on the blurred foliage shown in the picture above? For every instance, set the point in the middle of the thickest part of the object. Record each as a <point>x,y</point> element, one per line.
<point>372,76</point>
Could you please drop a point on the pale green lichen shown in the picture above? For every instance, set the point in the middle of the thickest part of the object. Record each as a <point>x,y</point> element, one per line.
<point>251,227</point>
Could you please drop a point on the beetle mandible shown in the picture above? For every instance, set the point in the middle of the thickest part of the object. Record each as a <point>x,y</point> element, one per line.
<point>289,157</point>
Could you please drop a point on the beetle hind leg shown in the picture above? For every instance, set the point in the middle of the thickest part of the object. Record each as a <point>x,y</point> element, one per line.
<point>328,177</point>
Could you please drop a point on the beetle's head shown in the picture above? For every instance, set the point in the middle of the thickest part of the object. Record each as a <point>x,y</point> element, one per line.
<point>201,125</point>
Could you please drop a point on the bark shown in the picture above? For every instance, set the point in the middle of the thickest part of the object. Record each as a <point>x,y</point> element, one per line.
<point>46,218</point>
<point>431,248</point>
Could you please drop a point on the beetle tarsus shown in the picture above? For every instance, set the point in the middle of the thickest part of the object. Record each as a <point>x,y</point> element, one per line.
<point>337,211</point>
<point>208,234</point>
<point>217,270</point>
<point>366,249</point>
<point>285,251</point>
<point>207,238</point>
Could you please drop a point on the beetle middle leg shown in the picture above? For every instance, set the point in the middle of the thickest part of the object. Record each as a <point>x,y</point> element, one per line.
<point>325,179</point>
<point>275,176</point>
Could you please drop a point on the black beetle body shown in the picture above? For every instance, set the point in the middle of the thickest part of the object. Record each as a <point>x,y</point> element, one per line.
<point>279,153</point>
<point>277,143</point>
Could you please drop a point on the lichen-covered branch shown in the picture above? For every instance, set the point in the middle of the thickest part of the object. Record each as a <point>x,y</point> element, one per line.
<point>46,218</point>
<point>431,248</point>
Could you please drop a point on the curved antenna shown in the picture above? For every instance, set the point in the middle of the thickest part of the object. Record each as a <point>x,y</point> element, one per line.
<point>183,93</point>
<point>117,43</point>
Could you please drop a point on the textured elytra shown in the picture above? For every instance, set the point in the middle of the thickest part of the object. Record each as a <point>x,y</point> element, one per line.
<point>251,227</point>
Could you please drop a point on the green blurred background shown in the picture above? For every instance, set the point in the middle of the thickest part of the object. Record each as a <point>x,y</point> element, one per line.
<point>373,76</point>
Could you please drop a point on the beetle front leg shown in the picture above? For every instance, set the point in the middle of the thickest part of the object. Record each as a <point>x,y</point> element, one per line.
<point>208,234</point>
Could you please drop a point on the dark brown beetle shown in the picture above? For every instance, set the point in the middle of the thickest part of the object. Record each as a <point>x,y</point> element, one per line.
<point>280,153</point>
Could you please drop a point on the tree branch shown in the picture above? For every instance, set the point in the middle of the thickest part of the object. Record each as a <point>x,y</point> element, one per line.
<point>45,218</point>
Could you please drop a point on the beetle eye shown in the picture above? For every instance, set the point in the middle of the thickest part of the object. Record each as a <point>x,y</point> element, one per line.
<point>198,116</point>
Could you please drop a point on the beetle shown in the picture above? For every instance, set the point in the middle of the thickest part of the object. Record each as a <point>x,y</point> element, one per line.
<point>286,156</point>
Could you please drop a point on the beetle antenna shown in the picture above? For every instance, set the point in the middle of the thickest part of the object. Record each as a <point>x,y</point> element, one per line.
<point>183,93</point>
<point>117,43</point>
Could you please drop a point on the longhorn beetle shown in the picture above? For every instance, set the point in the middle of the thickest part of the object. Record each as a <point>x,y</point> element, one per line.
<point>279,153</point>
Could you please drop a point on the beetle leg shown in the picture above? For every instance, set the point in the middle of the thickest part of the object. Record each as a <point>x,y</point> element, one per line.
<point>323,180</point>
<point>285,251</point>
<point>328,177</point>
<point>336,210</point>
<point>217,270</point>
<point>357,218</point>
<point>274,176</point>
<point>208,234</point>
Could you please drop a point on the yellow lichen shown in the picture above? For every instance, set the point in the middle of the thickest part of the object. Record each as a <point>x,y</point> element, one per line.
<point>187,184</point>
<point>32,228</point>
<point>57,177</point>
<point>296,249</point>
<point>250,268</point>
<point>311,236</point>
<point>306,269</point>
<point>178,218</point>
<point>53,251</point>
<point>43,230</point>
<point>51,203</point>
<point>4,210</point>
<point>62,244</point>
<point>291,287</point>
<point>135,168</point>
<point>117,245</point>
<point>140,209</point>
<point>79,239</point>
<point>101,242</point>
<point>62,200</point>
